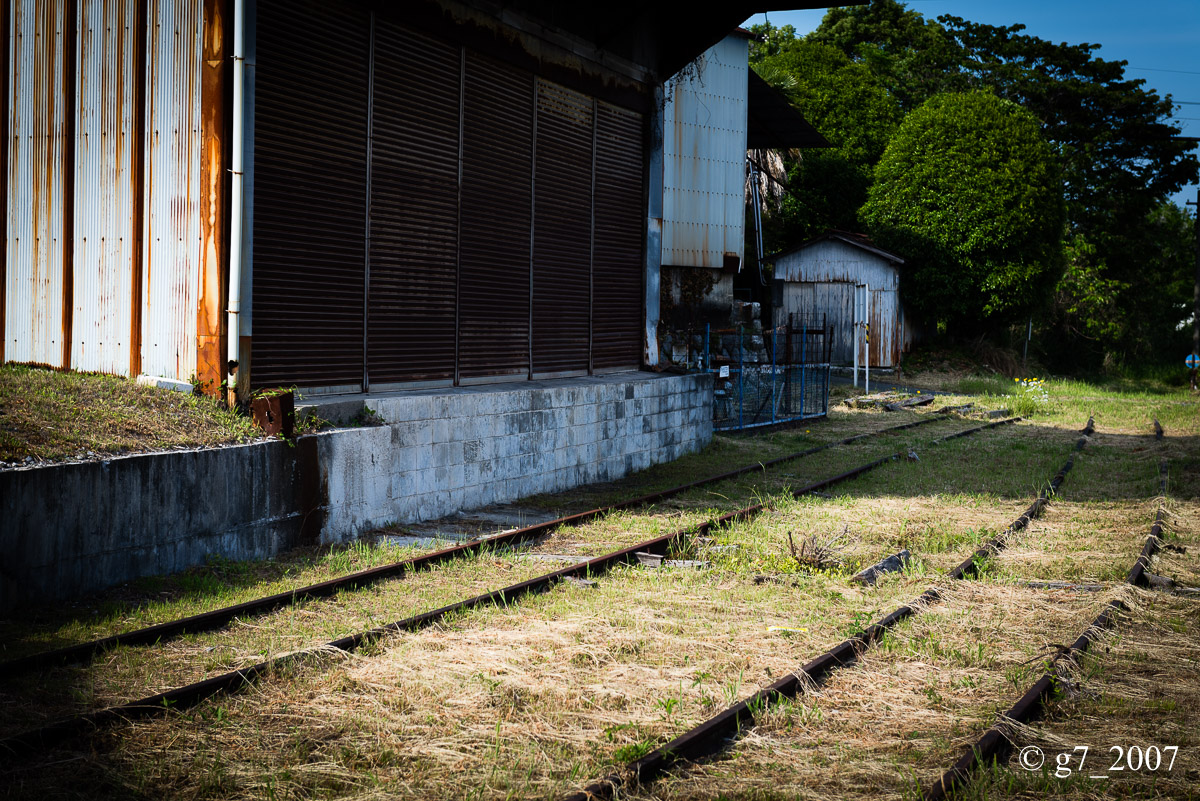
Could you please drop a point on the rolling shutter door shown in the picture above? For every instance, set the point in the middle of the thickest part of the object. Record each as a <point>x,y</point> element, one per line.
<point>562,231</point>
<point>494,240</point>
<point>310,146</point>
<point>620,228</point>
<point>414,207</point>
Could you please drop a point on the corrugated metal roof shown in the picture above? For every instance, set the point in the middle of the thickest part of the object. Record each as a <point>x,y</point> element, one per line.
<point>857,240</point>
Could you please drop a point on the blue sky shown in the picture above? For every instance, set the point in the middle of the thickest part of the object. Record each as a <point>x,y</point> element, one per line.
<point>1159,38</point>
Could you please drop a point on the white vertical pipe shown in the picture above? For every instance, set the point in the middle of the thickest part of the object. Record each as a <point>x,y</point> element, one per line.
<point>867,338</point>
<point>854,333</point>
<point>236,205</point>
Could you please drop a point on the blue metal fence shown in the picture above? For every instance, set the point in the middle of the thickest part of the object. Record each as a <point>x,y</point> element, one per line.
<point>778,376</point>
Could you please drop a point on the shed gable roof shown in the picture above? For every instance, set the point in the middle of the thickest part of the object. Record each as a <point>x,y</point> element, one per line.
<point>860,241</point>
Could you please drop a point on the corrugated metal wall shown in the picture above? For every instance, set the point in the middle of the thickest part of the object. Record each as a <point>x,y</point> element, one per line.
<point>171,276</point>
<point>836,300</point>
<point>107,147</point>
<point>78,169</point>
<point>34,319</point>
<point>704,159</point>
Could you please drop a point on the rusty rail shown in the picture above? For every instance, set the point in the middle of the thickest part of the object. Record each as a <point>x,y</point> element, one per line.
<point>712,735</point>
<point>192,694</point>
<point>207,621</point>
<point>994,744</point>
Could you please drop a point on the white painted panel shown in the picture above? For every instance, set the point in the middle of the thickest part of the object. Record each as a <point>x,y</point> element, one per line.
<point>105,150</point>
<point>35,184</point>
<point>704,158</point>
<point>171,275</point>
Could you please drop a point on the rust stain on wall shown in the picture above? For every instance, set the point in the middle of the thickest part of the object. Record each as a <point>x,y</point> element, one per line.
<point>210,321</point>
<point>137,175</point>
<point>68,86</point>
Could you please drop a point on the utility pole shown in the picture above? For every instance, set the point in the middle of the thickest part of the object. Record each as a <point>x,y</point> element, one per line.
<point>1196,295</point>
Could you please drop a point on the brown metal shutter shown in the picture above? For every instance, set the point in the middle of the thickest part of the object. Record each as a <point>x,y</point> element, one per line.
<point>620,230</point>
<point>494,240</point>
<point>310,178</point>
<point>562,231</point>
<point>414,207</point>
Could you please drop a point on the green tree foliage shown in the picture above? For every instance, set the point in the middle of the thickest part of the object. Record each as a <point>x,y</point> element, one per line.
<point>910,55</point>
<point>847,105</point>
<point>1099,319</point>
<point>969,193</point>
<point>1114,140</point>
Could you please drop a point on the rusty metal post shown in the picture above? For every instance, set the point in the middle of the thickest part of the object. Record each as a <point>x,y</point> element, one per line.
<point>70,87</point>
<point>137,185</point>
<point>211,326</point>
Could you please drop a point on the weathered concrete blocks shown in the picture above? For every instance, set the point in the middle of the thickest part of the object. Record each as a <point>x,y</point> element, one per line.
<point>70,529</point>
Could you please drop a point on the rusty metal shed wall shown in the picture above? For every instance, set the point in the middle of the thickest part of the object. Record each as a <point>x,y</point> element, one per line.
<point>171,277</point>
<point>34,318</point>
<point>704,158</point>
<point>106,147</point>
<point>820,279</point>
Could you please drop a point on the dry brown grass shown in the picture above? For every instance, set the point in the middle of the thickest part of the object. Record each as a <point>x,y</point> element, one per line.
<point>51,415</point>
<point>544,695</point>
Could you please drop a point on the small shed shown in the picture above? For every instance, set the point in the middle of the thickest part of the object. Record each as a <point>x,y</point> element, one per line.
<point>819,277</point>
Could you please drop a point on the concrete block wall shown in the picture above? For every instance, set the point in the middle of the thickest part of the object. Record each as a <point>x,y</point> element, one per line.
<point>70,529</point>
<point>445,450</point>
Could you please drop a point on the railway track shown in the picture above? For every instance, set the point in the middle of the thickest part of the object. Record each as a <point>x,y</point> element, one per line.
<point>188,695</point>
<point>994,745</point>
<point>216,618</point>
<point>714,734</point>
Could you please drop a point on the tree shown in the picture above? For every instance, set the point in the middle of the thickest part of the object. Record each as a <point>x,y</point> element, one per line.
<point>1116,144</point>
<point>969,193</point>
<point>847,105</point>
<point>910,55</point>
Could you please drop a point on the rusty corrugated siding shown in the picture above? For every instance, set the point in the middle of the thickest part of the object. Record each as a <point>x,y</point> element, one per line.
<point>107,146</point>
<point>36,184</point>
<point>214,193</point>
<point>171,272</point>
<point>819,280</point>
<point>704,159</point>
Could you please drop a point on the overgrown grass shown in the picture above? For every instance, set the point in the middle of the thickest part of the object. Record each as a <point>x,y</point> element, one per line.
<point>540,695</point>
<point>52,415</point>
